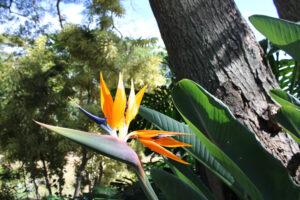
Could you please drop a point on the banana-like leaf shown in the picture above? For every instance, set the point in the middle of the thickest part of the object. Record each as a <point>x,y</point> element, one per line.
<point>207,153</point>
<point>282,33</point>
<point>109,146</point>
<point>283,98</point>
<point>186,175</point>
<point>198,150</point>
<point>173,188</point>
<point>288,116</point>
<point>204,112</point>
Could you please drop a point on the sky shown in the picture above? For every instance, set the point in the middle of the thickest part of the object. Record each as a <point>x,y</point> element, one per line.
<point>139,20</point>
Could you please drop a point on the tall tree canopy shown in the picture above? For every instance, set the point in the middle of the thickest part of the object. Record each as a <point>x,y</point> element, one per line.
<point>31,18</point>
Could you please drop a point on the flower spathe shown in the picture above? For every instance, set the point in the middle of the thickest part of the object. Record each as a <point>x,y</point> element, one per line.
<point>119,112</point>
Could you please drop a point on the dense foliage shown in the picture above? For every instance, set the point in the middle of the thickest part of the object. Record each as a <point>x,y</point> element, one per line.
<point>46,70</point>
<point>43,75</point>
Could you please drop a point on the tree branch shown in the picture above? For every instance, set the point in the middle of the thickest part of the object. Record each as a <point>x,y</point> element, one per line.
<point>8,7</point>
<point>60,19</point>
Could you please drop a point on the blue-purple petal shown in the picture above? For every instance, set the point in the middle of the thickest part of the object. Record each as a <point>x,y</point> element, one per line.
<point>95,118</point>
<point>100,121</point>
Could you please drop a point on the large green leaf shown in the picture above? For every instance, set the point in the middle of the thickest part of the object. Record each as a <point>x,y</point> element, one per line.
<point>198,149</point>
<point>204,112</point>
<point>283,98</point>
<point>186,175</point>
<point>109,146</point>
<point>207,153</point>
<point>288,116</point>
<point>173,188</point>
<point>284,34</point>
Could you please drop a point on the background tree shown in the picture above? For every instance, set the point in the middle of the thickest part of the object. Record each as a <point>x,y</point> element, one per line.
<point>288,10</point>
<point>43,75</point>
<point>30,18</point>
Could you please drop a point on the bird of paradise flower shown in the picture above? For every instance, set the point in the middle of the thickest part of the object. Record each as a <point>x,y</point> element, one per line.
<point>118,115</point>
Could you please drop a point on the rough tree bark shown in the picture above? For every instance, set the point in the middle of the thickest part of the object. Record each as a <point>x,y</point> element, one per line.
<point>288,9</point>
<point>210,43</point>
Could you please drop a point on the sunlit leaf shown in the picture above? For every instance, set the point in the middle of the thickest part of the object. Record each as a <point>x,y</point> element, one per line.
<point>284,34</point>
<point>204,112</point>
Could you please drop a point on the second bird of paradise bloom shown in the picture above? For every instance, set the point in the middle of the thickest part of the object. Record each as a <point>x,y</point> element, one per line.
<point>121,111</point>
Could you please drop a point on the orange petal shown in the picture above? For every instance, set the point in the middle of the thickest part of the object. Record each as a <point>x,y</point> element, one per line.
<point>106,100</point>
<point>119,106</point>
<point>170,142</point>
<point>134,102</point>
<point>130,106</point>
<point>160,150</point>
<point>138,98</point>
<point>154,133</point>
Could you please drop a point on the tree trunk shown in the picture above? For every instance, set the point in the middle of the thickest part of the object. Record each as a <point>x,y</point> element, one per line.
<point>100,174</point>
<point>61,182</point>
<point>24,181</point>
<point>80,173</point>
<point>45,173</point>
<point>36,188</point>
<point>288,9</point>
<point>210,43</point>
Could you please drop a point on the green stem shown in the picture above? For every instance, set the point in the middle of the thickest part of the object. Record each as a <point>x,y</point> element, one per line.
<point>145,184</point>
